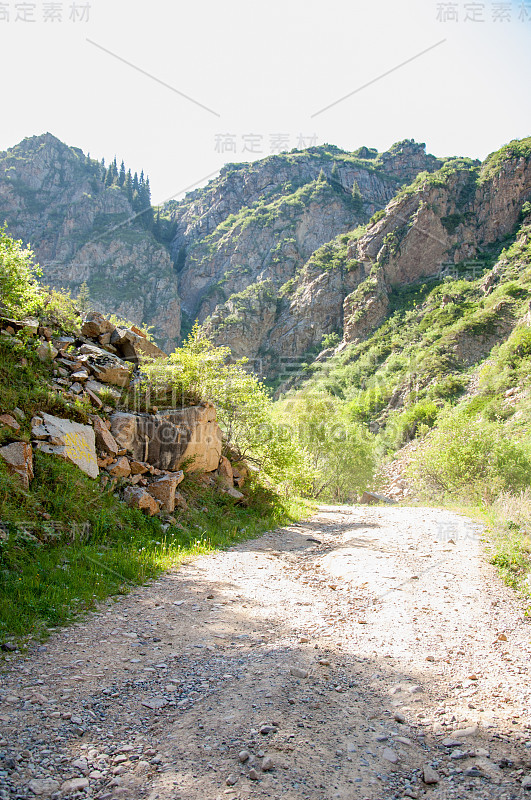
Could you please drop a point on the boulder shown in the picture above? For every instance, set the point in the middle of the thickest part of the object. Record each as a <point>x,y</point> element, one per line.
<point>371,498</point>
<point>7,419</point>
<point>163,489</point>
<point>80,375</point>
<point>235,494</point>
<point>170,438</point>
<point>108,368</point>
<point>38,430</point>
<point>94,399</point>
<point>70,440</point>
<point>132,345</point>
<point>120,468</point>
<point>104,439</point>
<point>62,342</point>
<point>136,497</point>
<point>225,472</point>
<point>240,473</point>
<point>95,324</point>
<point>30,326</point>
<point>47,352</point>
<point>138,467</point>
<point>19,460</point>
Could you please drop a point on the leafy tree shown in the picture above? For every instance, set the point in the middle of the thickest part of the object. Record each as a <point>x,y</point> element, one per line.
<point>471,458</point>
<point>19,291</point>
<point>341,451</point>
<point>200,371</point>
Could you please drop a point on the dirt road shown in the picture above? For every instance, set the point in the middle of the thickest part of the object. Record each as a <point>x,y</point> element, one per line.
<point>367,653</point>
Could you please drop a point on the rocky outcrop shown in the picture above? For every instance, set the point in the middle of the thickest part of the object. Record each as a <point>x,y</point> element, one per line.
<point>72,441</point>
<point>269,256</point>
<point>18,458</point>
<point>52,197</point>
<point>172,438</point>
<point>440,221</point>
<point>447,219</point>
<point>260,223</point>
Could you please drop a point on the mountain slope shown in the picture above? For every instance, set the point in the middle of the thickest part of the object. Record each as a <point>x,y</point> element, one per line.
<point>53,197</point>
<point>454,216</point>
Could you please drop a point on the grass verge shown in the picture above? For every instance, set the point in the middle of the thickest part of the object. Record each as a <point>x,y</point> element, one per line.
<point>67,543</point>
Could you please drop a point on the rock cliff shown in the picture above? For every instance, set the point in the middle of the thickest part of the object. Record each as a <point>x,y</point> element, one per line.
<point>443,222</point>
<point>269,256</point>
<point>52,197</point>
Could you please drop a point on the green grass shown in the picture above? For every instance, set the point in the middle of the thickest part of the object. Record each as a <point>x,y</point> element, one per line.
<point>25,383</point>
<point>71,543</point>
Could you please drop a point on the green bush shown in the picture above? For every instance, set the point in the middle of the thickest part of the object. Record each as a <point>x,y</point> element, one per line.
<point>19,291</point>
<point>341,450</point>
<point>471,458</point>
<point>199,371</point>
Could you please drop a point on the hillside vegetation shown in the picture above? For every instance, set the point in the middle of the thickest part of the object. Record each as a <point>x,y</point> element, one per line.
<point>385,299</point>
<point>440,394</point>
<point>68,540</point>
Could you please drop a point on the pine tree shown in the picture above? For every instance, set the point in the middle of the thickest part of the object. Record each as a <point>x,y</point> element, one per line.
<point>128,185</point>
<point>121,177</point>
<point>146,207</point>
<point>83,299</point>
<point>334,176</point>
<point>357,199</point>
<point>109,176</point>
<point>147,190</point>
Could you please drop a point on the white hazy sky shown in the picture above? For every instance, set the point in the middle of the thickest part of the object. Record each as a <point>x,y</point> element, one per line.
<point>265,69</point>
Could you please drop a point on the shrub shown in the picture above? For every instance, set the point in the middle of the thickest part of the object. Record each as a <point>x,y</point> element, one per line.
<point>472,458</point>
<point>330,340</point>
<point>19,292</point>
<point>341,450</point>
<point>200,371</point>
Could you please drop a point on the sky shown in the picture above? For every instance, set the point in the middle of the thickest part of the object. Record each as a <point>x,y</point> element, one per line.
<point>178,89</point>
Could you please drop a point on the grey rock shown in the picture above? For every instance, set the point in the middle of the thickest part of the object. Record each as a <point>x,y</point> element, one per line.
<point>43,787</point>
<point>429,775</point>
<point>390,755</point>
<point>298,672</point>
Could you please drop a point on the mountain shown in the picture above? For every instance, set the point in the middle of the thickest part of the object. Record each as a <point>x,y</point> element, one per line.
<point>441,220</point>
<point>254,223</point>
<point>279,258</point>
<point>55,198</point>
